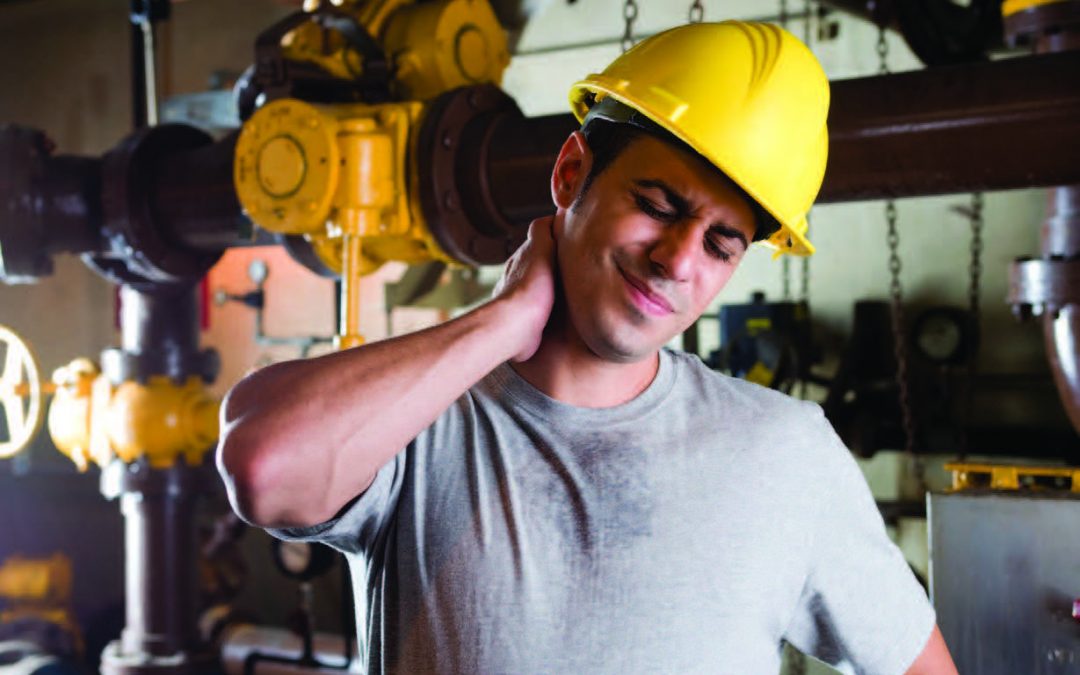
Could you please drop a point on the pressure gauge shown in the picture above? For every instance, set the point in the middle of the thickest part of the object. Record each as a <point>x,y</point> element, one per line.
<point>301,560</point>
<point>944,335</point>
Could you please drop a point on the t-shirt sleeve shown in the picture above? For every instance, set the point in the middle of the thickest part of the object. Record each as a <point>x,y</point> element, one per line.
<point>861,609</point>
<point>355,528</point>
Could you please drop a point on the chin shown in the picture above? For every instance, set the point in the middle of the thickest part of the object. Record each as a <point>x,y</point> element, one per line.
<point>616,348</point>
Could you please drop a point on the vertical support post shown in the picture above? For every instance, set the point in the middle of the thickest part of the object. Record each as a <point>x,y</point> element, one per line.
<point>159,337</point>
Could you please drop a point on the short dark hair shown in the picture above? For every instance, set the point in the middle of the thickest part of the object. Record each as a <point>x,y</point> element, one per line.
<point>607,140</point>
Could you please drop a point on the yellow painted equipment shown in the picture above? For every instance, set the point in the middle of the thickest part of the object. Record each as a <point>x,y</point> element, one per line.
<point>339,175</point>
<point>1010,7</point>
<point>1010,476</point>
<point>39,590</point>
<point>39,581</point>
<point>92,421</point>
<point>439,46</point>
<point>758,114</point>
<point>435,46</point>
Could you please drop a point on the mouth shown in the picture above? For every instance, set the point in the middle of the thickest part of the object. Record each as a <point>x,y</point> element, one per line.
<point>645,299</point>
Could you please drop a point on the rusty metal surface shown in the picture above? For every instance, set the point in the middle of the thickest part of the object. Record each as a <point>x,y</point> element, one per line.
<point>47,204</point>
<point>194,198</point>
<point>986,126</point>
<point>456,197</point>
<point>990,126</point>
<point>160,572</point>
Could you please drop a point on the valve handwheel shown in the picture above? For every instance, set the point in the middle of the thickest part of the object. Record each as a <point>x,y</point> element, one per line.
<point>22,396</point>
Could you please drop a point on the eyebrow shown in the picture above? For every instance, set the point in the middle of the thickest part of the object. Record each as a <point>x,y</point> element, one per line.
<point>681,205</point>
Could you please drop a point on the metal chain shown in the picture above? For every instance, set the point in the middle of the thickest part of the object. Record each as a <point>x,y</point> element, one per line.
<point>697,12</point>
<point>895,291</point>
<point>630,15</point>
<point>882,51</point>
<point>899,342</point>
<point>976,255</point>
<point>804,284</point>
<point>975,216</point>
<point>785,262</point>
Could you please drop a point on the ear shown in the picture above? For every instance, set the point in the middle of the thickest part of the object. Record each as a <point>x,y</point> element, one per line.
<point>571,168</point>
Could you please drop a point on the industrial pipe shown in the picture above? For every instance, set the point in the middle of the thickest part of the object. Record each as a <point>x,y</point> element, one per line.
<point>1050,28</point>
<point>983,126</point>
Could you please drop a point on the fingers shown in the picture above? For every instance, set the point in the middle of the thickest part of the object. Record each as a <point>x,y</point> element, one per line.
<point>541,231</point>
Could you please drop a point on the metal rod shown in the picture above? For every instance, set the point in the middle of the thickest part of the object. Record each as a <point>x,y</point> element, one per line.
<point>150,71</point>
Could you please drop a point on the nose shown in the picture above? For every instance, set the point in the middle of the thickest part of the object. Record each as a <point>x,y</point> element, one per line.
<point>674,255</point>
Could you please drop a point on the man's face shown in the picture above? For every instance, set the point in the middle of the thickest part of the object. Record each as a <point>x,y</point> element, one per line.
<point>642,255</point>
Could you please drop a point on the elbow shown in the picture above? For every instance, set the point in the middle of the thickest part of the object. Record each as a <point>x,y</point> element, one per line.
<point>245,460</point>
<point>240,467</point>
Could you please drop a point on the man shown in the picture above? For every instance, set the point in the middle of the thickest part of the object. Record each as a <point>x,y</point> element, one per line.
<point>538,486</point>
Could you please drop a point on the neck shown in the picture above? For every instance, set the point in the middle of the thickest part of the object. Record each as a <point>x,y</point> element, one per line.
<point>565,369</point>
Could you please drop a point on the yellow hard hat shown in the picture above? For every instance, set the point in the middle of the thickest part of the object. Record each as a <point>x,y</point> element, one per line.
<point>749,97</point>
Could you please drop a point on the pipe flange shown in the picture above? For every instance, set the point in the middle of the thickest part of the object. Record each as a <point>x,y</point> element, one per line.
<point>23,152</point>
<point>137,249</point>
<point>455,196</point>
<point>121,366</point>
<point>179,481</point>
<point>1044,285</point>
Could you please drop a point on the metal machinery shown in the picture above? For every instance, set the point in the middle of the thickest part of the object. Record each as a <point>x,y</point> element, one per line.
<point>375,131</point>
<point>1003,578</point>
<point>37,628</point>
<point>1049,287</point>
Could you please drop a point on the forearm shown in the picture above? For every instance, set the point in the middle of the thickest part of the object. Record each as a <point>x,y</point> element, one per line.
<point>302,438</point>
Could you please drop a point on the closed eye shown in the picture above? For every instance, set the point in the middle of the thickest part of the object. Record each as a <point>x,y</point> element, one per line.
<point>716,250</point>
<point>650,208</point>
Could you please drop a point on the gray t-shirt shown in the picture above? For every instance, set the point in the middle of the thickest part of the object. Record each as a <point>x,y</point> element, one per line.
<point>690,530</point>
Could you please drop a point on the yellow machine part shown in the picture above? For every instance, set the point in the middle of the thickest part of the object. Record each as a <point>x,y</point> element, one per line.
<point>1010,7</point>
<point>92,421</point>
<point>1009,476</point>
<point>434,46</point>
<point>37,581</point>
<point>438,46</point>
<point>329,171</point>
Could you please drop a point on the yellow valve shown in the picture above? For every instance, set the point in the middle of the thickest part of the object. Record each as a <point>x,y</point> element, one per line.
<point>38,581</point>
<point>69,414</point>
<point>163,421</point>
<point>92,421</point>
<point>22,394</point>
<point>327,171</point>
<point>434,46</point>
<point>345,189</point>
<point>339,175</point>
